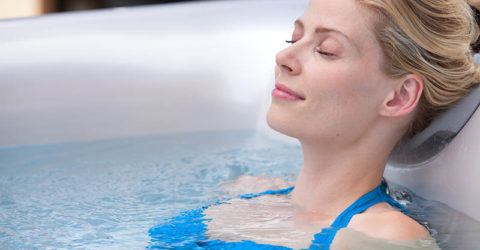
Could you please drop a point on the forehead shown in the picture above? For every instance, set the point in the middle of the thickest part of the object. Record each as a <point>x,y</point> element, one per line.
<point>346,16</point>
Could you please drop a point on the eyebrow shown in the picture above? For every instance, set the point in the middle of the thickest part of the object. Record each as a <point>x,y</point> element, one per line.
<point>299,22</point>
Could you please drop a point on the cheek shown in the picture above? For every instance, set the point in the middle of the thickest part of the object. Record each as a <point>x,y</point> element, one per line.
<point>343,93</point>
<point>341,84</point>
<point>360,84</point>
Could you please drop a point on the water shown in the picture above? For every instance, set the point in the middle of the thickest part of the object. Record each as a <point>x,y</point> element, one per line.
<point>108,193</point>
<point>451,229</point>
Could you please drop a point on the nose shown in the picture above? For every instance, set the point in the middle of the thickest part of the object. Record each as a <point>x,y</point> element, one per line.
<point>287,61</point>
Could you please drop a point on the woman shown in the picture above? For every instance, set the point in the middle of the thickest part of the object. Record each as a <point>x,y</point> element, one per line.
<point>359,76</point>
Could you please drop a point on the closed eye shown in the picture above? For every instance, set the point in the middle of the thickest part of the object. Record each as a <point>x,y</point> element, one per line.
<point>324,52</point>
<point>316,49</point>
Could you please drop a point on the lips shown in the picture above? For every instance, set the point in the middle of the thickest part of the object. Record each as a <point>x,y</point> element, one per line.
<point>285,89</point>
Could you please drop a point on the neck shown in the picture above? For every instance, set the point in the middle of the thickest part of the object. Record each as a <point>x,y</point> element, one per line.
<point>332,178</point>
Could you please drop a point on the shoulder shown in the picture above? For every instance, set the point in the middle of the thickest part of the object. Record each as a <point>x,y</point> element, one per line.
<point>388,223</point>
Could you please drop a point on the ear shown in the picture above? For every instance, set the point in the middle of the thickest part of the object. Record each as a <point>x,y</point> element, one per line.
<point>403,99</point>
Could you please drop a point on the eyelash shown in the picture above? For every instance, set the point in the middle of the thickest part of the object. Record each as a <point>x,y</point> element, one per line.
<point>319,51</point>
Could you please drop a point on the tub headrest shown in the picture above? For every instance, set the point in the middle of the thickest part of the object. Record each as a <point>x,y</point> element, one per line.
<point>425,145</point>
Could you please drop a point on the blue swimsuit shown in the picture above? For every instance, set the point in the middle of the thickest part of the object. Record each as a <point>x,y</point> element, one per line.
<point>188,230</point>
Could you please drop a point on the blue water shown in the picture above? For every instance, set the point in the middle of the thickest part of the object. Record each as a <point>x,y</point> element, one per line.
<point>108,193</point>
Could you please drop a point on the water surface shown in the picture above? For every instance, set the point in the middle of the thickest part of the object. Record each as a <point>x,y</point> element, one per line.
<point>108,193</point>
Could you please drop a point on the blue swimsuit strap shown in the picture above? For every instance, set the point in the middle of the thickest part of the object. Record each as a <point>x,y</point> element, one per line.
<point>324,239</point>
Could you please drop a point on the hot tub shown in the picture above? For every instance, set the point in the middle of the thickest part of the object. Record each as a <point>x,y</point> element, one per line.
<point>113,120</point>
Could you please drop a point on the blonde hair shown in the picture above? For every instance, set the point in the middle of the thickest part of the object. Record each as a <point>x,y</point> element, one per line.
<point>433,39</point>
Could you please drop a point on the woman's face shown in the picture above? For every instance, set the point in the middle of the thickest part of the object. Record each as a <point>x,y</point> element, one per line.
<point>334,63</point>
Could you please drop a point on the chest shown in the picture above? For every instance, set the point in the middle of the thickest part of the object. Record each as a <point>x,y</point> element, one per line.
<point>265,220</point>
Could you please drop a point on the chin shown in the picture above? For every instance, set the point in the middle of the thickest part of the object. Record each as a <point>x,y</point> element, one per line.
<point>282,123</point>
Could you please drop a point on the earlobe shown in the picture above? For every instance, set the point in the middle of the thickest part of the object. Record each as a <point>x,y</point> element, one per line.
<point>403,99</point>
